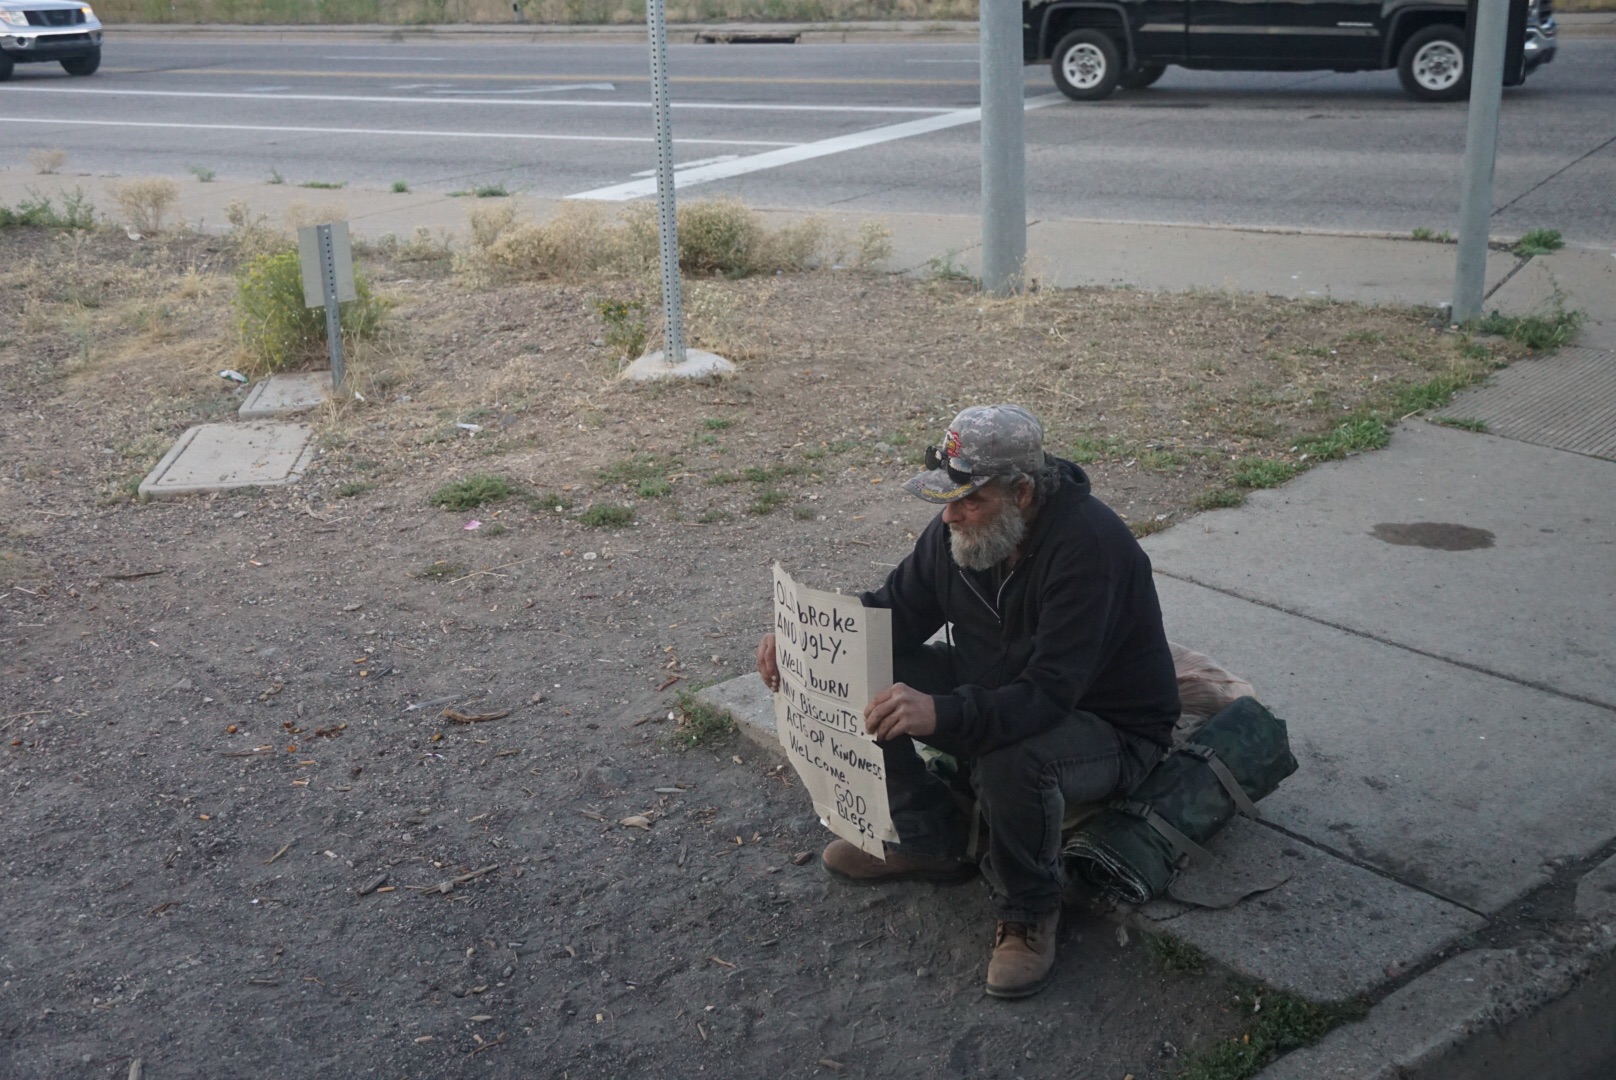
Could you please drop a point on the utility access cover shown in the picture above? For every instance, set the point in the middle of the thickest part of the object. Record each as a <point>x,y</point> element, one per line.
<point>219,457</point>
<point>1566,401</point>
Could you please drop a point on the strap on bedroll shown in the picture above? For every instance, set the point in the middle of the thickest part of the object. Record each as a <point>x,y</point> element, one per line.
<point>1189,849</point>
<point>1225,777</point>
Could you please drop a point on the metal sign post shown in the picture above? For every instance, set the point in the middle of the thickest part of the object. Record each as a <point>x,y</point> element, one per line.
<point>327,263</point>
<point>1481,153</point>
<point>1004,147</point>
<point>673,346</point>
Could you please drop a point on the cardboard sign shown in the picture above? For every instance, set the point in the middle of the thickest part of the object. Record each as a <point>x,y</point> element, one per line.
<point>834,654</point>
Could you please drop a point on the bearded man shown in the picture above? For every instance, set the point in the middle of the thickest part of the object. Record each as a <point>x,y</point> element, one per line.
<point>1055,684</point>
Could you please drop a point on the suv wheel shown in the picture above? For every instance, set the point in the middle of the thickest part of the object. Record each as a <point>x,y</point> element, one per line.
<point>5,68</point>
<point>1433,66</point>
<point>1086,65</point>
<point>1142,76</point>
<point>83,65</point>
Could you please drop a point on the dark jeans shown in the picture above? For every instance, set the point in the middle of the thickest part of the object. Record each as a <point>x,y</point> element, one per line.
<point>1022,789</point>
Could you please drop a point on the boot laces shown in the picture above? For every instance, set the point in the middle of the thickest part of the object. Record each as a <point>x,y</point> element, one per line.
<point>1009,930</point>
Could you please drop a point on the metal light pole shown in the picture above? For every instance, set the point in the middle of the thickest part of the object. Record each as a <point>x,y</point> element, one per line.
<point>673,333</point>
<point>1481,152</point>
<point>1004,147</point>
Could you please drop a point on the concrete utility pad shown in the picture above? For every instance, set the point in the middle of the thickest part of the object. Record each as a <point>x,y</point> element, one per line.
<point>697,365</point>
<point>286,394</point>
<point>1457,782</point>
<point>218,457</point>
<point>1538,605</point>
<point>1567,401</point>
<point>747,700</point>
<point>1329,933</point>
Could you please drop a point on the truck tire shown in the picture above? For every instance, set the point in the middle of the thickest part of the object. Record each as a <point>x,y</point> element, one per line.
<point>5,68</point>
<point>1142,76</point>
<point>83,65</point>
<point>1433,65</point>
<point>1086,65</point>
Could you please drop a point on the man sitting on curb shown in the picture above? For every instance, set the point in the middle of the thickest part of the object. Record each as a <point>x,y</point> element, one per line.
<point>1056,686</point>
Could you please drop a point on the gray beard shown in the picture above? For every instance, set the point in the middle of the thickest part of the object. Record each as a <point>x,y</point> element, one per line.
<point>989,545</point>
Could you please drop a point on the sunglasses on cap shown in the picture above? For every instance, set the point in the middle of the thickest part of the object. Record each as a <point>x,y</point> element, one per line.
<point>937,459</point>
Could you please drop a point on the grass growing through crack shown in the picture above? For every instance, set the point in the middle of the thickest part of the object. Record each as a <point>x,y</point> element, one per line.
<point>1276,1022</point>
<point>472,492</point>
<point>1540,332</point>
<point>607,516</point>
<point>1540,242</point>
<point>1463,423</point>
<point>1256,472</point>
<point>699,722</point>
<point>1171,954</point>
<point>354,487</point>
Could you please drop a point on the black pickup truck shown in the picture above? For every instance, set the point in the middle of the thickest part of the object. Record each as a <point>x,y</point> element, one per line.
<point>1095,46</point>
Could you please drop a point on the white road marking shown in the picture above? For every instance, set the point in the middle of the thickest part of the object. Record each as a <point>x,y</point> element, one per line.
<point>264,89</point>
<point>726,106</point>
<point>385,132</point>
<point>398,56</point>
<point>538,89</point>
<point>773,159</point>
<point>693,164</point>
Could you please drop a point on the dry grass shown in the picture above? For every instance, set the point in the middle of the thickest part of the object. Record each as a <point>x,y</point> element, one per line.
<point>47,162</point>
<point>145,203</point>
<point>1165,398</point>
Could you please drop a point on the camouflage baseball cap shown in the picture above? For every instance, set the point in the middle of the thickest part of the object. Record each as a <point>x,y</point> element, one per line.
<point>984,441</point>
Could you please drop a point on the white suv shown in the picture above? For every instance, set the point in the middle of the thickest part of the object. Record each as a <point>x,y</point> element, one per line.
<point>45,31</point>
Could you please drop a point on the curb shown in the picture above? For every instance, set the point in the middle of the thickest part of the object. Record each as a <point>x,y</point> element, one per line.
<point>534,33</point>
<point>1502,1014</point>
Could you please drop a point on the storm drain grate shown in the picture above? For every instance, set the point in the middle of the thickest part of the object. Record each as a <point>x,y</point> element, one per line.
<point>1567,401</point>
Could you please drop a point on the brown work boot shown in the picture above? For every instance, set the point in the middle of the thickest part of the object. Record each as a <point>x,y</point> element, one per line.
<point>846,861</point>
<point>1023,957</point>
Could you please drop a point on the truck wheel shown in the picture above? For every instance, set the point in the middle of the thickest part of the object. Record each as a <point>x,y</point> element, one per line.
<point>5,68</point>
<point>83,65</point>
<point>1142,76</point>
<point>1433,66</point>
<point>1086,65</point>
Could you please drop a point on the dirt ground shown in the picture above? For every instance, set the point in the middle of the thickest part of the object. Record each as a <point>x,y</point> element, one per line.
<point>221,716</point>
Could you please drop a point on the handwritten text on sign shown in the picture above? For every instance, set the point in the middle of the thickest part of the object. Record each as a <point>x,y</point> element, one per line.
<point>834,656</point>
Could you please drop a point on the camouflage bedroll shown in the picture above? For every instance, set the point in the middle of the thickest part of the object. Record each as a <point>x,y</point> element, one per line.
<point>1136,847</point>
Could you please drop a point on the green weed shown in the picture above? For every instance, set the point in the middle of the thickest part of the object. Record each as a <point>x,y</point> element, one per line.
<point>1086,450</point>
<point>400,188</point>
<point>354,487</point>
<point>943,268</point>
<point>1218,499</point>
<point>472,492</point>
<point>1149,526</point>
<point>638,468</point>
<point>699,722</point>
<point>203,175</point>
<point>653,489</point>
<point>714,423</point>
<point>1539,332</point>
<point>768,501</point>
<point>803,513</point>
<point>276,328</point>
<point>1171,954</point>
<point>1430,236</point>
<point>275,177</point>
<point>607,516</point>
<point>37,210</point>
<point>1540,242</point>
<point>324,185</point>
<point>1256,472</point>
<point>1435,393</point>
<point>1160,460</point>
<point>625,326</point>
<point>1350,437</point>
<point>1283,1022</point>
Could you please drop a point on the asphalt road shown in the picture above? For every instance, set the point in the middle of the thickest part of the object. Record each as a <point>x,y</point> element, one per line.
<point>857,126</point>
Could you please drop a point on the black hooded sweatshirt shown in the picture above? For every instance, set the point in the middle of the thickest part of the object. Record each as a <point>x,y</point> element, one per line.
<point>1074,626</point>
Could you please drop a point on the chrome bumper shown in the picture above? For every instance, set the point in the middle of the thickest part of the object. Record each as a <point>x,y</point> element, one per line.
<point>52,42</point>
<point>1540,42</point>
